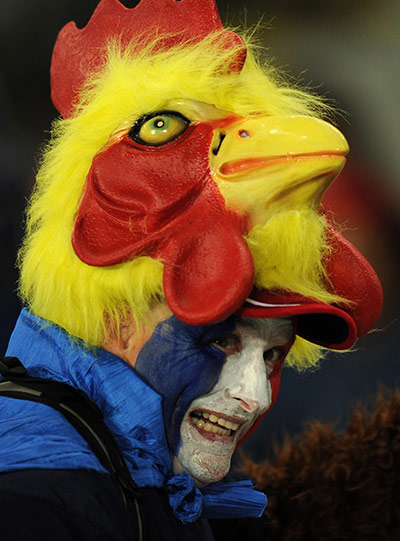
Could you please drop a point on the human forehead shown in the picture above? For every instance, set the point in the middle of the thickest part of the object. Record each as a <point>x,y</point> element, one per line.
<point>274,329</point>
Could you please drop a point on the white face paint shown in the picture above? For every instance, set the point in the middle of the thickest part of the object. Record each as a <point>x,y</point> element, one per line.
<point>214,423</point>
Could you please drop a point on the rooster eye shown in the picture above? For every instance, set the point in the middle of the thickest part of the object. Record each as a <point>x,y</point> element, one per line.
<point>158,129</point>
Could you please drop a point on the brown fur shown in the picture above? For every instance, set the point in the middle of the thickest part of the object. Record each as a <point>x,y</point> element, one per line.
<point>343,487</point>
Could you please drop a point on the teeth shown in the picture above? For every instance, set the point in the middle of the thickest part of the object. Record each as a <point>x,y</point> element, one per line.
<point>209,427</point>
<point>227,424</point>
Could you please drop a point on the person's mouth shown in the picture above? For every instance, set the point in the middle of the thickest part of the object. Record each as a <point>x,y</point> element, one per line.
<point>214,425</point>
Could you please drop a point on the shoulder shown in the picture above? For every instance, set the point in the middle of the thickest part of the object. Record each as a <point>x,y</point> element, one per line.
<point>34,435</point>
<point>61,504</point>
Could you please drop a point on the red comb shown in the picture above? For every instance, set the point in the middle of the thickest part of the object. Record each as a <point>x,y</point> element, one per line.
<point>78,52</point>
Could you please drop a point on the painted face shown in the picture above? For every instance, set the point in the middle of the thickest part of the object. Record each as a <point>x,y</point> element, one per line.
<point>229,370</point>
<point>215,422</point>
<point>180,362</point>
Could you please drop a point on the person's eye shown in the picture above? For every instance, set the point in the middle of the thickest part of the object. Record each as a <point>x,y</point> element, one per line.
<point>228,343</point>
<point>273,355</point>
<point>158,129</point>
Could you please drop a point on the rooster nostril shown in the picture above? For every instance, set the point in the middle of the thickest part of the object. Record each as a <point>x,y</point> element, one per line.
<point>216,149</point>
<point>244,134</point>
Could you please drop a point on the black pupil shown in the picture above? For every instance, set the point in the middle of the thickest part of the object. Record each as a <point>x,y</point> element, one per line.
<point>269,354</point>
<point>159,123</point>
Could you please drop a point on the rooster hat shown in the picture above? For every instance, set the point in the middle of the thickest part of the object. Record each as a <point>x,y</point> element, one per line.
<point>185,173</point>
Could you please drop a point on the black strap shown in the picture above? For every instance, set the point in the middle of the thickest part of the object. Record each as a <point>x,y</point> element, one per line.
<point>86,418</point>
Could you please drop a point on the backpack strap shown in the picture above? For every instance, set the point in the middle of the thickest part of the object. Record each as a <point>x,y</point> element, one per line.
<point>86,417</point>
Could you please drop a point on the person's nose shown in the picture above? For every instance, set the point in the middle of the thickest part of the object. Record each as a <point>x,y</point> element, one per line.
<point>252,388</point>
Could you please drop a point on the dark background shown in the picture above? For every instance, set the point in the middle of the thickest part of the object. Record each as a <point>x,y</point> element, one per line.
<point>350,51</point>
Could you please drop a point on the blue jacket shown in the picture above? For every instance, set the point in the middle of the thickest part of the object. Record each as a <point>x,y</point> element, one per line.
<point>35,437</point>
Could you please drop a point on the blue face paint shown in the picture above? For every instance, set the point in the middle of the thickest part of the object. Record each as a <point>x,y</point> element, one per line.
<point>179,362</point>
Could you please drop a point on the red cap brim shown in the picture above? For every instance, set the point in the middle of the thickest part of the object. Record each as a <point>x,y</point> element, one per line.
<point>317,322</point>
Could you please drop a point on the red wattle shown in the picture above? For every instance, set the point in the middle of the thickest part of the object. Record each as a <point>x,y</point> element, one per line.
<point>208,271</point>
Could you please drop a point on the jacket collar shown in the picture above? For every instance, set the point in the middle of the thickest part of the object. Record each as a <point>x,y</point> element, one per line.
<point>131,409</point>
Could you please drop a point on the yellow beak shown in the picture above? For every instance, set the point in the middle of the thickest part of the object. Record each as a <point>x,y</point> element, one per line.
<point>267,165</point>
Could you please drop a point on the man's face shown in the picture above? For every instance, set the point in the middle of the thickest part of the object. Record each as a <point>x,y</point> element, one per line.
<point>229,371</point>
<point>215,422</point>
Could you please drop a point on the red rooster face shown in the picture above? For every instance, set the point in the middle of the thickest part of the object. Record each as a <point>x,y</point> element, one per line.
<point>184,185</point>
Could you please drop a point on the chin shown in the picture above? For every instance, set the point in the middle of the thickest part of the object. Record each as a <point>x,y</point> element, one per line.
<point>204,468</point>
<point>206,455</point>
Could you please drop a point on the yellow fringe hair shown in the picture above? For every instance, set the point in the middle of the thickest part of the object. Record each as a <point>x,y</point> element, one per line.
<point>89,301</point>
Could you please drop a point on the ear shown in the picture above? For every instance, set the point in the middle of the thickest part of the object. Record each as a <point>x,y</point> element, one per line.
<point>130,339</point>
<point>125,344</point>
